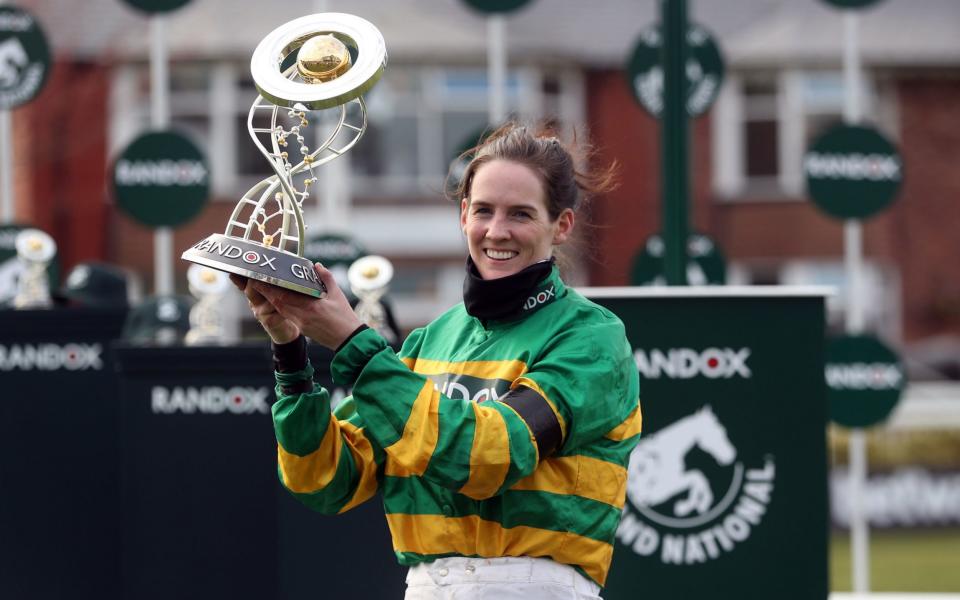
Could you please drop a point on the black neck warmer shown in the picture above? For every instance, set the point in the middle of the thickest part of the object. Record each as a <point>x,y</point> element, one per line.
<point>504,297</point>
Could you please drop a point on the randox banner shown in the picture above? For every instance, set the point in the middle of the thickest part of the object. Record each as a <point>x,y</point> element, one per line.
<point>727,489</point>
<point>853,171</point>
<point>157,6</point>
<point>864,380</point>
<point>201,494</point>
<point>161,179</point>
<point>24,57</point>
<point>704,70</point>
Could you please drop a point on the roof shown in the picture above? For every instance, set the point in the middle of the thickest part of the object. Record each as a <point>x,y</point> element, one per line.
<point>752,33</point>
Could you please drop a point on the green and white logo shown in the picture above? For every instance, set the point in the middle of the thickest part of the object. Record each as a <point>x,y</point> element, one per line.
<point>852,172</point>
<point>24,57</point>
<point>677,514</point>
<point>704,70</point>
<point>161,179</point>
<point>157,6</point>
<point>496,6</point>
<point>864,380</point>
<point>705,262</point>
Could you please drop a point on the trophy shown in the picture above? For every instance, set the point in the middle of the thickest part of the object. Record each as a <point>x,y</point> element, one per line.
<point>35,249</point>
<point>321,61</point>
<point>209,323</point>
<point>369,277</point>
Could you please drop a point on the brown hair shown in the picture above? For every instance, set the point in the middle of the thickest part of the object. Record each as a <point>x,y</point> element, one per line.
<point>542,151</point>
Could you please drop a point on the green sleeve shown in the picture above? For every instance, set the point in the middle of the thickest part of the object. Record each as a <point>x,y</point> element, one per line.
<point>473,448</point>
<point>588,375</point>
<point>327,463</point>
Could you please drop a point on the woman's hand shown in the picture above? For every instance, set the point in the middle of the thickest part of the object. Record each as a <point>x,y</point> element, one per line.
<point>328,322</point>
<point>277,327</point>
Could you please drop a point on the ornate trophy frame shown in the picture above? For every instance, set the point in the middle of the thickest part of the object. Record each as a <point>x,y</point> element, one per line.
<point>316,62</point>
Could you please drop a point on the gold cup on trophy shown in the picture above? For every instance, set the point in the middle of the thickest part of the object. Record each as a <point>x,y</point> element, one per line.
<point>314,63</point>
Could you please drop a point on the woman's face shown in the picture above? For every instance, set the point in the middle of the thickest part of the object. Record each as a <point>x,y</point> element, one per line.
<point>506,221</point>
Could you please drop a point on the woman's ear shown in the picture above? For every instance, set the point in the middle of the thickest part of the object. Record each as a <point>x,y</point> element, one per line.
<point>565,223</point>
<point>463,214</point>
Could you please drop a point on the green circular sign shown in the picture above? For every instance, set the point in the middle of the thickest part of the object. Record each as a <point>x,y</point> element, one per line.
<point>24,57</point>
<point>161,179</point>
<point>330,250</point>
<point>335,252</point>
<point>851,3</point>
<point>11,267</point>
<point>864,380</point>
<point>496,6</point>
<point>852,171</point>
<point>157,6</point>
<point>704,72</point>
<point>705,266</point>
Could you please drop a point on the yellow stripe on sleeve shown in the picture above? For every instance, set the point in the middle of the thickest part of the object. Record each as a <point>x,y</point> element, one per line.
<point>507,370</point>
<point>490,455</point>
<point>630,427</point>
<point>413,450</point>
<point>362,452</point>
<point>578,476</point>
<point>310,473</point>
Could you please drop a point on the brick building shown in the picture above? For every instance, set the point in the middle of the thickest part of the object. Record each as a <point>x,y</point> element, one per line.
<point>783,85</point>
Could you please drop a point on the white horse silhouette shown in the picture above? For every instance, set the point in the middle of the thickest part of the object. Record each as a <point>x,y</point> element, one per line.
<point>13,58</point>
<point>657,469</point>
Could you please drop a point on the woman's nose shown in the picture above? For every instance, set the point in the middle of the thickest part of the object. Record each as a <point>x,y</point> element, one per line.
<point>498,229</point>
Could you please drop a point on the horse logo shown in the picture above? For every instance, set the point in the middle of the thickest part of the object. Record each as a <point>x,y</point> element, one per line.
<point>13,59</point>
<point>658,470</point>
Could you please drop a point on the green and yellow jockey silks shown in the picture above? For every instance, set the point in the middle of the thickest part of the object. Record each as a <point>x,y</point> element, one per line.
<point>500,438</point>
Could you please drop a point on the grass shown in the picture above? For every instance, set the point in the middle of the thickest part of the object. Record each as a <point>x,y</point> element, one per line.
<point>902,561</point>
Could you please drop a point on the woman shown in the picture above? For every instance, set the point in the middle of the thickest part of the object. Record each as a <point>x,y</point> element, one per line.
<point>500,433</point>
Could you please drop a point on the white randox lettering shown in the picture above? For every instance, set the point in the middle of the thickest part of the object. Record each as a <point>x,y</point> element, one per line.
<point>863,376</point>
<point>10,22</point>
<point>51,357</point>
<point>162,172</point>
<point>458,391</point>
<point>539,298</point>
<point>686,363</point>
<point>209,400</point>
<point>268,262</point>
<point>855,166</point>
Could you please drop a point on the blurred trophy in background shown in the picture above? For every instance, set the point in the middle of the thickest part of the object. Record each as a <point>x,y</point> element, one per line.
<point>321,61</point>
<point>369,277</point>
<point>212,322</point>
<point>35,249</point>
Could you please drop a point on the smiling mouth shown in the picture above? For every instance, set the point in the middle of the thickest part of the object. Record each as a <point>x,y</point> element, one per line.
<point>500,254</point>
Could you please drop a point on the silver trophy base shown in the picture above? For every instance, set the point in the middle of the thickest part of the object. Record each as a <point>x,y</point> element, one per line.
<point>246,258</point>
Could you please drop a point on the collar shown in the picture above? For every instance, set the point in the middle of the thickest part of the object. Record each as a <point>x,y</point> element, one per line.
<point>514,296</point>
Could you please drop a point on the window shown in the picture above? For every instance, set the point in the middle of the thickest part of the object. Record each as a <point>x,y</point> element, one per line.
<point>763,123</point>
